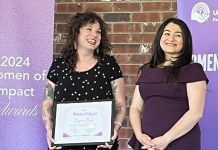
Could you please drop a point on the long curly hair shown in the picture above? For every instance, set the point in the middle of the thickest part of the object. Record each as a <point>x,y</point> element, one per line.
<point>158,55</point>
<point>69,52</point>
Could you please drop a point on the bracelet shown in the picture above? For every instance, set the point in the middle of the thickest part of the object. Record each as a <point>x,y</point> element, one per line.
<point>118,123</point>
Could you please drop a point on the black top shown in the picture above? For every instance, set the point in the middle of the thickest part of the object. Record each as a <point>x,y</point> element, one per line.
<point>166,102</point>
<point>93,84</point>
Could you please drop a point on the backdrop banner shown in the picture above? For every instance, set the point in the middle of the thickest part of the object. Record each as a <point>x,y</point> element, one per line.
<point>26,48</point>
<point>202,19</point>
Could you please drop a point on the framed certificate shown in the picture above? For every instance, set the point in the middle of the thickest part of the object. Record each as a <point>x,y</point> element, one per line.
<point>83,122</point>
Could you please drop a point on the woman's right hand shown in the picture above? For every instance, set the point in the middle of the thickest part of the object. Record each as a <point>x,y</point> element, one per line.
<point>51,140</point>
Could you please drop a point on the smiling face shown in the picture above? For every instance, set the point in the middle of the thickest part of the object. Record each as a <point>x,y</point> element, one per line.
<point>171,40</point>
<point>89,36</point>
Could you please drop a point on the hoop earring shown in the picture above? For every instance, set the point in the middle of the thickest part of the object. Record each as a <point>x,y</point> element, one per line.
<point>75,45</point>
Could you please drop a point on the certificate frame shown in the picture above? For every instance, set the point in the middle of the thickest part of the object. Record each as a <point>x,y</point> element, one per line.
<point>87,122</point>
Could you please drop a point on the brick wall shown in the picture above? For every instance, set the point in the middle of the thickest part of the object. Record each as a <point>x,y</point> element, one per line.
<point>132,25</point>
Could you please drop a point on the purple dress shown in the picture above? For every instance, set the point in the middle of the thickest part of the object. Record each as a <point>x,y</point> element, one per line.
<point>165,103</point>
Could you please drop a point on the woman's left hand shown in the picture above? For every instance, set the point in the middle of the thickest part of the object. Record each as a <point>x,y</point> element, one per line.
<point>112,138</point>
<point>160,143</point>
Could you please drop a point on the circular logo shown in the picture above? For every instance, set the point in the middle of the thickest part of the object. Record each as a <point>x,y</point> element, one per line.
<point>200,12</point>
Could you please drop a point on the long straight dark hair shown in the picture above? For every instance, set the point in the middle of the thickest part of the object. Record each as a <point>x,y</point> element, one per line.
<point>158,55</point>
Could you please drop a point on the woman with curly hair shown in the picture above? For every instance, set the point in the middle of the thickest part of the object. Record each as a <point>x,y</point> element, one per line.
<point>85,71</point>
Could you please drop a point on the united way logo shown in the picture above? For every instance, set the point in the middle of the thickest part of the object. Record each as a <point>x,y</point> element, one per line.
<point>200,12</point>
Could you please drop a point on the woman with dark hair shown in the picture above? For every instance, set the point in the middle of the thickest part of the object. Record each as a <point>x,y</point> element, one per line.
<point>85,71</point>
<point>170,93</point>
